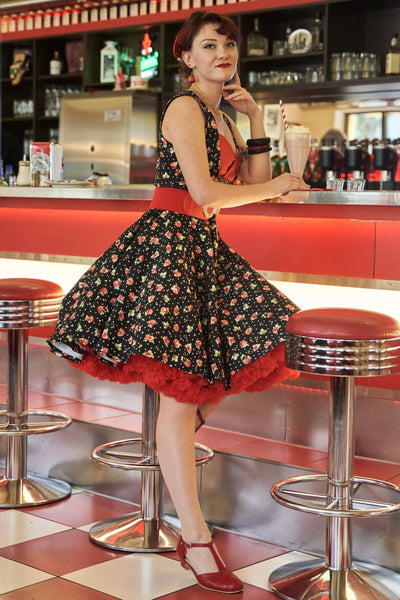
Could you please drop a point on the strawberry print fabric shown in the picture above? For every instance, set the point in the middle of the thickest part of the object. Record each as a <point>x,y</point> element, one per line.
<point>172,305</point>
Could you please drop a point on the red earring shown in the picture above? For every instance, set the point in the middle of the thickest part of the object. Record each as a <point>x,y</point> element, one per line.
<point>191,78</point>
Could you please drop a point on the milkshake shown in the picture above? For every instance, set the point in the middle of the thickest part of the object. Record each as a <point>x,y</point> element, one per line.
<point>297,143</point>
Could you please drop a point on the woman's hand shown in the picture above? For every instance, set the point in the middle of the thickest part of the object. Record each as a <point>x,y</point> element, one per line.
<point>239,98</point>
<point>288,182</point>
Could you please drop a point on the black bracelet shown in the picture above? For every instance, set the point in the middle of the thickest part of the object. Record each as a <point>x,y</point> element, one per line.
<point>259,150</point>
<point>255,142</point>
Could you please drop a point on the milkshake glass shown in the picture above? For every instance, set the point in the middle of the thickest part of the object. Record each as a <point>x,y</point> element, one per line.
<point>297,143</point>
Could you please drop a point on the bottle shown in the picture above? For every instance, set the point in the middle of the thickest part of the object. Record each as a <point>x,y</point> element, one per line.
<point>392,65</point>
<point>276,164</point>
<point>317,35</point>
<point>307,175</point>
<point>2,180</point>
<point>285,165</point>
<point>24,172</point>
<point>9,176</point>
<point>317,174</point>
<point>257,44</point>
<point>55,64</point>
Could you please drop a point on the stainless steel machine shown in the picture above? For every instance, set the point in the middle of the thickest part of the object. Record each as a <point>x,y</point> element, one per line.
<point>112,132</point>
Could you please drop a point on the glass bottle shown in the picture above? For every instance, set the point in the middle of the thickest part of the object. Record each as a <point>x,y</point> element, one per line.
<point>55,64</point>
<point>2,181</point>
<point>317,35</point>
<point>257,44</point>
<point>392,64</point>
<point>276,164</point>
<point>317,175</point>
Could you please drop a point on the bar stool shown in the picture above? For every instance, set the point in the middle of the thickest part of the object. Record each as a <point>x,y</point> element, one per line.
<point>146,530</point>
<point>341,344</point>
<point>25,304</point>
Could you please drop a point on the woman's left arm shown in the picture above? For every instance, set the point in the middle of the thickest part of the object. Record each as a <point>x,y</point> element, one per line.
<point>255,168</point>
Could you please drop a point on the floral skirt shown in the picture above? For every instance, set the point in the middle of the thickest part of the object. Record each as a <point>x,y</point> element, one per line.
<point>171,305</point>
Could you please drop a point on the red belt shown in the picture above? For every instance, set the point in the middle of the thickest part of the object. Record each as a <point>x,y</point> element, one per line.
<point>179,201</point>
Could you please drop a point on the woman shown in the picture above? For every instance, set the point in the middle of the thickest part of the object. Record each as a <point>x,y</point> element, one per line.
<point>170,303</point>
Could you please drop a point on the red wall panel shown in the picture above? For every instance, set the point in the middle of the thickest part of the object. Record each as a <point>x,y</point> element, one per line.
<point>387,260</point>
<point>295,245</point>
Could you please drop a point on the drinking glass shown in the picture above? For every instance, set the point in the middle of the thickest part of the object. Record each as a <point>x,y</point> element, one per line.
<point>334,183</point>
<point>355,185</point>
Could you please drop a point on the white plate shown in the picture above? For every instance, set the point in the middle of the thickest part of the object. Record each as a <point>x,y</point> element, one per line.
<point>299,41</point>
<point>70,183</point>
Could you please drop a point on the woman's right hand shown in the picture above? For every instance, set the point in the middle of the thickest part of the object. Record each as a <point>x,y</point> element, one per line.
<point>287,182</point>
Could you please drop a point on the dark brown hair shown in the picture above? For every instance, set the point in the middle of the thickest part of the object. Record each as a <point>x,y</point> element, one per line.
<point>191,27</point>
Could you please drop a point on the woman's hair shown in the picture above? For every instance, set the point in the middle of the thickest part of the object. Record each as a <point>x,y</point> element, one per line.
<point>191,27</point>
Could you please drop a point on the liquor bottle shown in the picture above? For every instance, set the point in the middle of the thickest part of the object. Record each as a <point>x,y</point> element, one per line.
<point>276,164</point>
<point>317,179</point>
<point>257,44</point>
<point>392,65</point>
<point>307,175</point>
<point>55,64</point>
<point>285,164</point>
<point>317,35</point>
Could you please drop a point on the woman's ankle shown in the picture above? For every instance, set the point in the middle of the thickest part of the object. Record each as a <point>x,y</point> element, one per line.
<point>196,536</point>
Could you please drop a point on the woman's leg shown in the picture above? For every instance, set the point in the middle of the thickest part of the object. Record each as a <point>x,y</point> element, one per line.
<point>176,451</point>
<point>205,410</point>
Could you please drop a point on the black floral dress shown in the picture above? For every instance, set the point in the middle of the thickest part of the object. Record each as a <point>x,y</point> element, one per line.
<point>172,305</point>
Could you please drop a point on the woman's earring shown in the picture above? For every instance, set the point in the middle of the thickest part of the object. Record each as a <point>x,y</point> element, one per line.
<point>191,78</point>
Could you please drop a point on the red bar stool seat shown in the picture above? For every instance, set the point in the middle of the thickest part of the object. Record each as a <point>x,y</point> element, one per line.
<point>25,304</point>
<point>146,530</point>
<point>341,344</point>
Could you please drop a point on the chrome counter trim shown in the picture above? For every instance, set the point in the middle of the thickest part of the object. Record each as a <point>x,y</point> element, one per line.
<point>111,192</point>
<point>273,276</point>
<point>145,192</point>
<point>375,284</point>
<point>57,258</point>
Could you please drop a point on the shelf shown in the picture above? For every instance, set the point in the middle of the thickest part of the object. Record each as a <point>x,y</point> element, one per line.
<point>28,78</point>
<point>17,119</point>
<point>286,58</point>
<point>62,77</point>
<point>381,87</point>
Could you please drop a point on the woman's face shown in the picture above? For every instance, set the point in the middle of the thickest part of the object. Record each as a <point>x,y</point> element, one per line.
<point>213,56</point>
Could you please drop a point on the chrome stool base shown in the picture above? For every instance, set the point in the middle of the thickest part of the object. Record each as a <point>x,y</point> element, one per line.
<point>31,491</point>
<point>133,533</point>
<point>312,580</point>
<point>146,530</point>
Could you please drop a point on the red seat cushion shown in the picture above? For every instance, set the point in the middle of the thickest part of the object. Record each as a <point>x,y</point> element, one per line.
<point>29,289</point>
<point>344,324</point>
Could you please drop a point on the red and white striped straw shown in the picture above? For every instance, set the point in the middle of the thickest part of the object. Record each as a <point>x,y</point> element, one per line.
<point>283,114</point>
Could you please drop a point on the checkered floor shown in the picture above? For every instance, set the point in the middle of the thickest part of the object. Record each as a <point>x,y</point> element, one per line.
<point>46,554</point>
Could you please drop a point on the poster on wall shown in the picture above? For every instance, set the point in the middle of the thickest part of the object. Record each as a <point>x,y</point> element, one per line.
<point>273,121</point>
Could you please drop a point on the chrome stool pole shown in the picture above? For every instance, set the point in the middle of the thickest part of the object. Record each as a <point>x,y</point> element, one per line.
<point>326,342</point>
<point>24,304</point>
<point>146,530</point>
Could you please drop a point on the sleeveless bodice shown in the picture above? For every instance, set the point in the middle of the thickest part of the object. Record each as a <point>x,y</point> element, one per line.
<point>222,161</point>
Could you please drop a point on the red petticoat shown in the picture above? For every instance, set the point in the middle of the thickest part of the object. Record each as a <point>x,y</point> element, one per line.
<point>193,389</point>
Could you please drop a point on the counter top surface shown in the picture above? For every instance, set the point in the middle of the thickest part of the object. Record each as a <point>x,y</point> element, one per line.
<point>145,192</point>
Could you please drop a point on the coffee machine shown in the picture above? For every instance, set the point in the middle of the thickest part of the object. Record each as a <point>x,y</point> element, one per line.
<point>332,159</point>
<point>357,160</point>
<point>385,165</point>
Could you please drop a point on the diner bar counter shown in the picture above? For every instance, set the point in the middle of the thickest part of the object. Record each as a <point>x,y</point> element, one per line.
<point>313,234</point>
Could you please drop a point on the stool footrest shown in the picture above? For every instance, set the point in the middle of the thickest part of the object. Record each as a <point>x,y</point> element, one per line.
<point>333,507</point>
<point>111,454</point>
<point>24,427</point>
